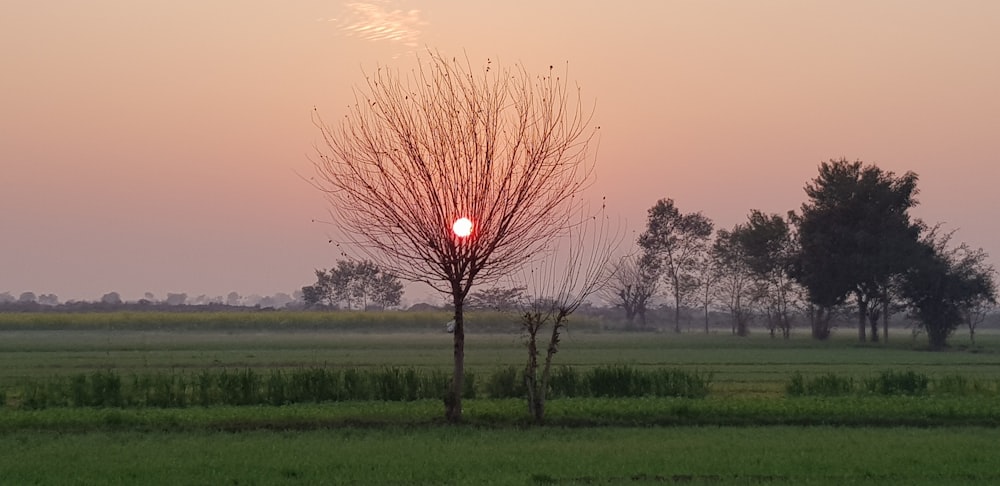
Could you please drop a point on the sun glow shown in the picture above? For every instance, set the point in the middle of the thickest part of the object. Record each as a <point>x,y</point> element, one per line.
<point>462,227</point>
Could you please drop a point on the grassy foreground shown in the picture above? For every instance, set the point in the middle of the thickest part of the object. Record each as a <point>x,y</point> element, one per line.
<point>748,430</point>
<point>470,455</point>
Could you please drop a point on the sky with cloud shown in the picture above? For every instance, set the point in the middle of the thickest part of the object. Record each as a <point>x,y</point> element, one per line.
<point>164,146</point>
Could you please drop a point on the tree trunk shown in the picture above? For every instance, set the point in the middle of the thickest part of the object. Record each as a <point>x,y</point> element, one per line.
<point>862,317</point>
<point>677,314</point>
<point>885,320</point>
<point>531,370</point>
<point>453,401</point>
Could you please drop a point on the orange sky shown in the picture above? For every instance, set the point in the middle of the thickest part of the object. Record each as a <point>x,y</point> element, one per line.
<point>158,145</point>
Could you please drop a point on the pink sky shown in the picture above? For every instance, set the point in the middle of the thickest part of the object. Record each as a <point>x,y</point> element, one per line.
<point>158,145</point>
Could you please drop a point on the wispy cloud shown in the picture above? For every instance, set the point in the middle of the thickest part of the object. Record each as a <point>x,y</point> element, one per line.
<point>380,21</point>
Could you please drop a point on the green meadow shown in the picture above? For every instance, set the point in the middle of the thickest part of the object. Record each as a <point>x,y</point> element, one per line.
<point>776,411</point>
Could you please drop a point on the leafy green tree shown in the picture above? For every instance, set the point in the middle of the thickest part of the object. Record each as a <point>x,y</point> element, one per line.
<point>679,243</point>
<point>945,284</point>
<point>855,235</point>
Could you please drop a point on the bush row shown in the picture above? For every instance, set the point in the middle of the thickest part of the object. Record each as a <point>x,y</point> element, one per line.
<point>604,381</point>
<point>314,385</point>
<point>889,383</point>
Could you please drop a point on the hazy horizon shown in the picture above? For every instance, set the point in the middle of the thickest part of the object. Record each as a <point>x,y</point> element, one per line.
<point>163,146</point>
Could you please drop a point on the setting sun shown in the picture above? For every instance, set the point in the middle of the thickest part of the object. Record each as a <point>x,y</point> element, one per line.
<point>462,227</point>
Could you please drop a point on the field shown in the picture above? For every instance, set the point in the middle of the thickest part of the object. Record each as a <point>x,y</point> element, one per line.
<point>748,429</point>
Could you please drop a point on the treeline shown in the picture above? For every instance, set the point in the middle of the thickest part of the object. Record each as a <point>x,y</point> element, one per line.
<point>851,249</point>
<point>30,302</point>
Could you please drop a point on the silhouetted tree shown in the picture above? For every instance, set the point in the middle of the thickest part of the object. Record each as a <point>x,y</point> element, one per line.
<point>176,299</point>
<point>679,243</point>
<point>633,282</point>
<point>945,283</point>
<point>507,150</point>
<point>770,249</point>
<point>497,298</point>
<point>46,299</point>
<point>735,282</point>
<point>558,283</point>
<point>111,298</point>
<point>855,234</point>
<point>356,284</point>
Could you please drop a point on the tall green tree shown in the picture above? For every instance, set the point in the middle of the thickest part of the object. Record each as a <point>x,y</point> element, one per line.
<point>679,243</point>
<point>855,235</point>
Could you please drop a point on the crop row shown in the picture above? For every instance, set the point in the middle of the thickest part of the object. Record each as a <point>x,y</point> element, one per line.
<point>315,385</point>
<point>853,411</point>
<point>888,383</point>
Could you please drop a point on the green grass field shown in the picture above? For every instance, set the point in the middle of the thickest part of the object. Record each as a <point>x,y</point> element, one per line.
<point>747,431</point>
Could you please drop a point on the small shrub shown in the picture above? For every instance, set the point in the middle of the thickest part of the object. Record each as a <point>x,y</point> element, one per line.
<point>679,383</point>
<point>898,383</point>
<point>507,382</point>
<point>616,381</point>
<point>825,385</point>
<point>565,382</point>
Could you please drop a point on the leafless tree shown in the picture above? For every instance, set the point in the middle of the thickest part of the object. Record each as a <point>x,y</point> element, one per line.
<point>506,149</point>
<point>559,282</point>
<point>634,281</point>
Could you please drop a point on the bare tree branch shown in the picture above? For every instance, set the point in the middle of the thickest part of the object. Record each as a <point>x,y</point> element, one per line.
<point>506,149</point>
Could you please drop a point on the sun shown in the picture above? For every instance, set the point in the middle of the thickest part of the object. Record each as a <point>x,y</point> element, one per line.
<point>462,227</point>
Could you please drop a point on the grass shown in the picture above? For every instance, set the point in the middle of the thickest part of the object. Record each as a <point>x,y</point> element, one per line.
<point>902,415</point>
<point>471,455</point>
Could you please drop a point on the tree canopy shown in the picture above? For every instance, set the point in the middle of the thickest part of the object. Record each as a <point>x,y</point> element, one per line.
<point>855,234</point>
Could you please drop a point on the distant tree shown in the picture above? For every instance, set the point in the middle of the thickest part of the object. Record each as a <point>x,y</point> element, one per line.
<point>706,278</point>
<point>111,298</point>
<point>7,298</point>
<point>855,235</point>
<point>735,282</point>
<point>770,248</point>
<point>633,282</point>
<point>149,296</point>
<point>387,291</point>
<point>319,294</point>
<point>233,299</point>
<point>355,285</point>
<point>46,299</point>
<point>679,243</point>
<point>497,298</point>
<point>945,284</point>
<point>27,298</point>
<point>176,299</point>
